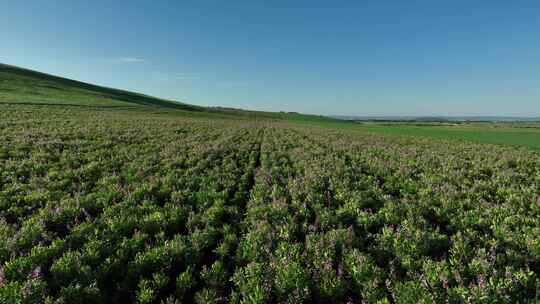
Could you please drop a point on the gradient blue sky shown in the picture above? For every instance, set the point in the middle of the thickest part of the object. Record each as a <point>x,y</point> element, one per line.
<point>324,57</point>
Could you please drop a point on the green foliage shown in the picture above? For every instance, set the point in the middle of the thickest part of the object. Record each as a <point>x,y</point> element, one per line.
<point>11,293</point>
<point>206,295</point>
<point>185,282</point>
<point>412,292</point>
<point>77,293</point>
<point>291,279</point>
<point>148,289</point>
<point>122,206</point>
<point>253,283</point>
<point>365,277</point>
<point>69,268</point>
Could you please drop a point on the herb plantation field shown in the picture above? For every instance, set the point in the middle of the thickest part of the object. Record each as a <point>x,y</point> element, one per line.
<point>126,206</point>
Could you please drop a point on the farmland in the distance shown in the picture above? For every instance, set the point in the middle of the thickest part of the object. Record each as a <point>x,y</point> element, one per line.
<point>154,202</point>
<point>516,134</point>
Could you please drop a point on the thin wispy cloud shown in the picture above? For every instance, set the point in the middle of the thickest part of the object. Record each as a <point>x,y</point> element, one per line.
<point>130,60</point>
<point>119,60</point>
<point>164,77</point>
<point>186,77</point>
<point>233,83</point>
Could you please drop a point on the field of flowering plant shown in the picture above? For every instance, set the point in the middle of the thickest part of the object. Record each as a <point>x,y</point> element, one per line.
<point>121,206</point>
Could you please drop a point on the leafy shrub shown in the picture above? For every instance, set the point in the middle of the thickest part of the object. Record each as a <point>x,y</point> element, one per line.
<point>253,283</point>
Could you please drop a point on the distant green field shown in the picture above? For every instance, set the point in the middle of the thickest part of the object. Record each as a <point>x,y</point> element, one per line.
<point>514,134</point>
<point>506,134</point>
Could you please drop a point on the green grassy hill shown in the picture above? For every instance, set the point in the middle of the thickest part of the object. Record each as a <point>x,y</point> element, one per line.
<point>24,86</point>
<point>18,85</point>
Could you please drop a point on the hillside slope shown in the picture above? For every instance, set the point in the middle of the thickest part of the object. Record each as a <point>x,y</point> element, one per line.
<point>18,85</point>
<point>24,86</point>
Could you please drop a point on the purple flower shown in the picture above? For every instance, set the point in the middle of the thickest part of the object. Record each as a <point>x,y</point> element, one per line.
<point>2,276</point>
<point>481,281</point>
<point>444,281</point>
<point>36,273</point>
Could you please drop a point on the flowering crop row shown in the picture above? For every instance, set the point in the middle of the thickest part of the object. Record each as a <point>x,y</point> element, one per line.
<point>108,206</point>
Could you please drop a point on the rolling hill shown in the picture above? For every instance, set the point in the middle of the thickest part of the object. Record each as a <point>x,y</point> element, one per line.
<point>23,86</point>
<point>19,85</point>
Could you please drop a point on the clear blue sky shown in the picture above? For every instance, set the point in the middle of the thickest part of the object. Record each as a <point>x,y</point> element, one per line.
<point>326,57</point>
